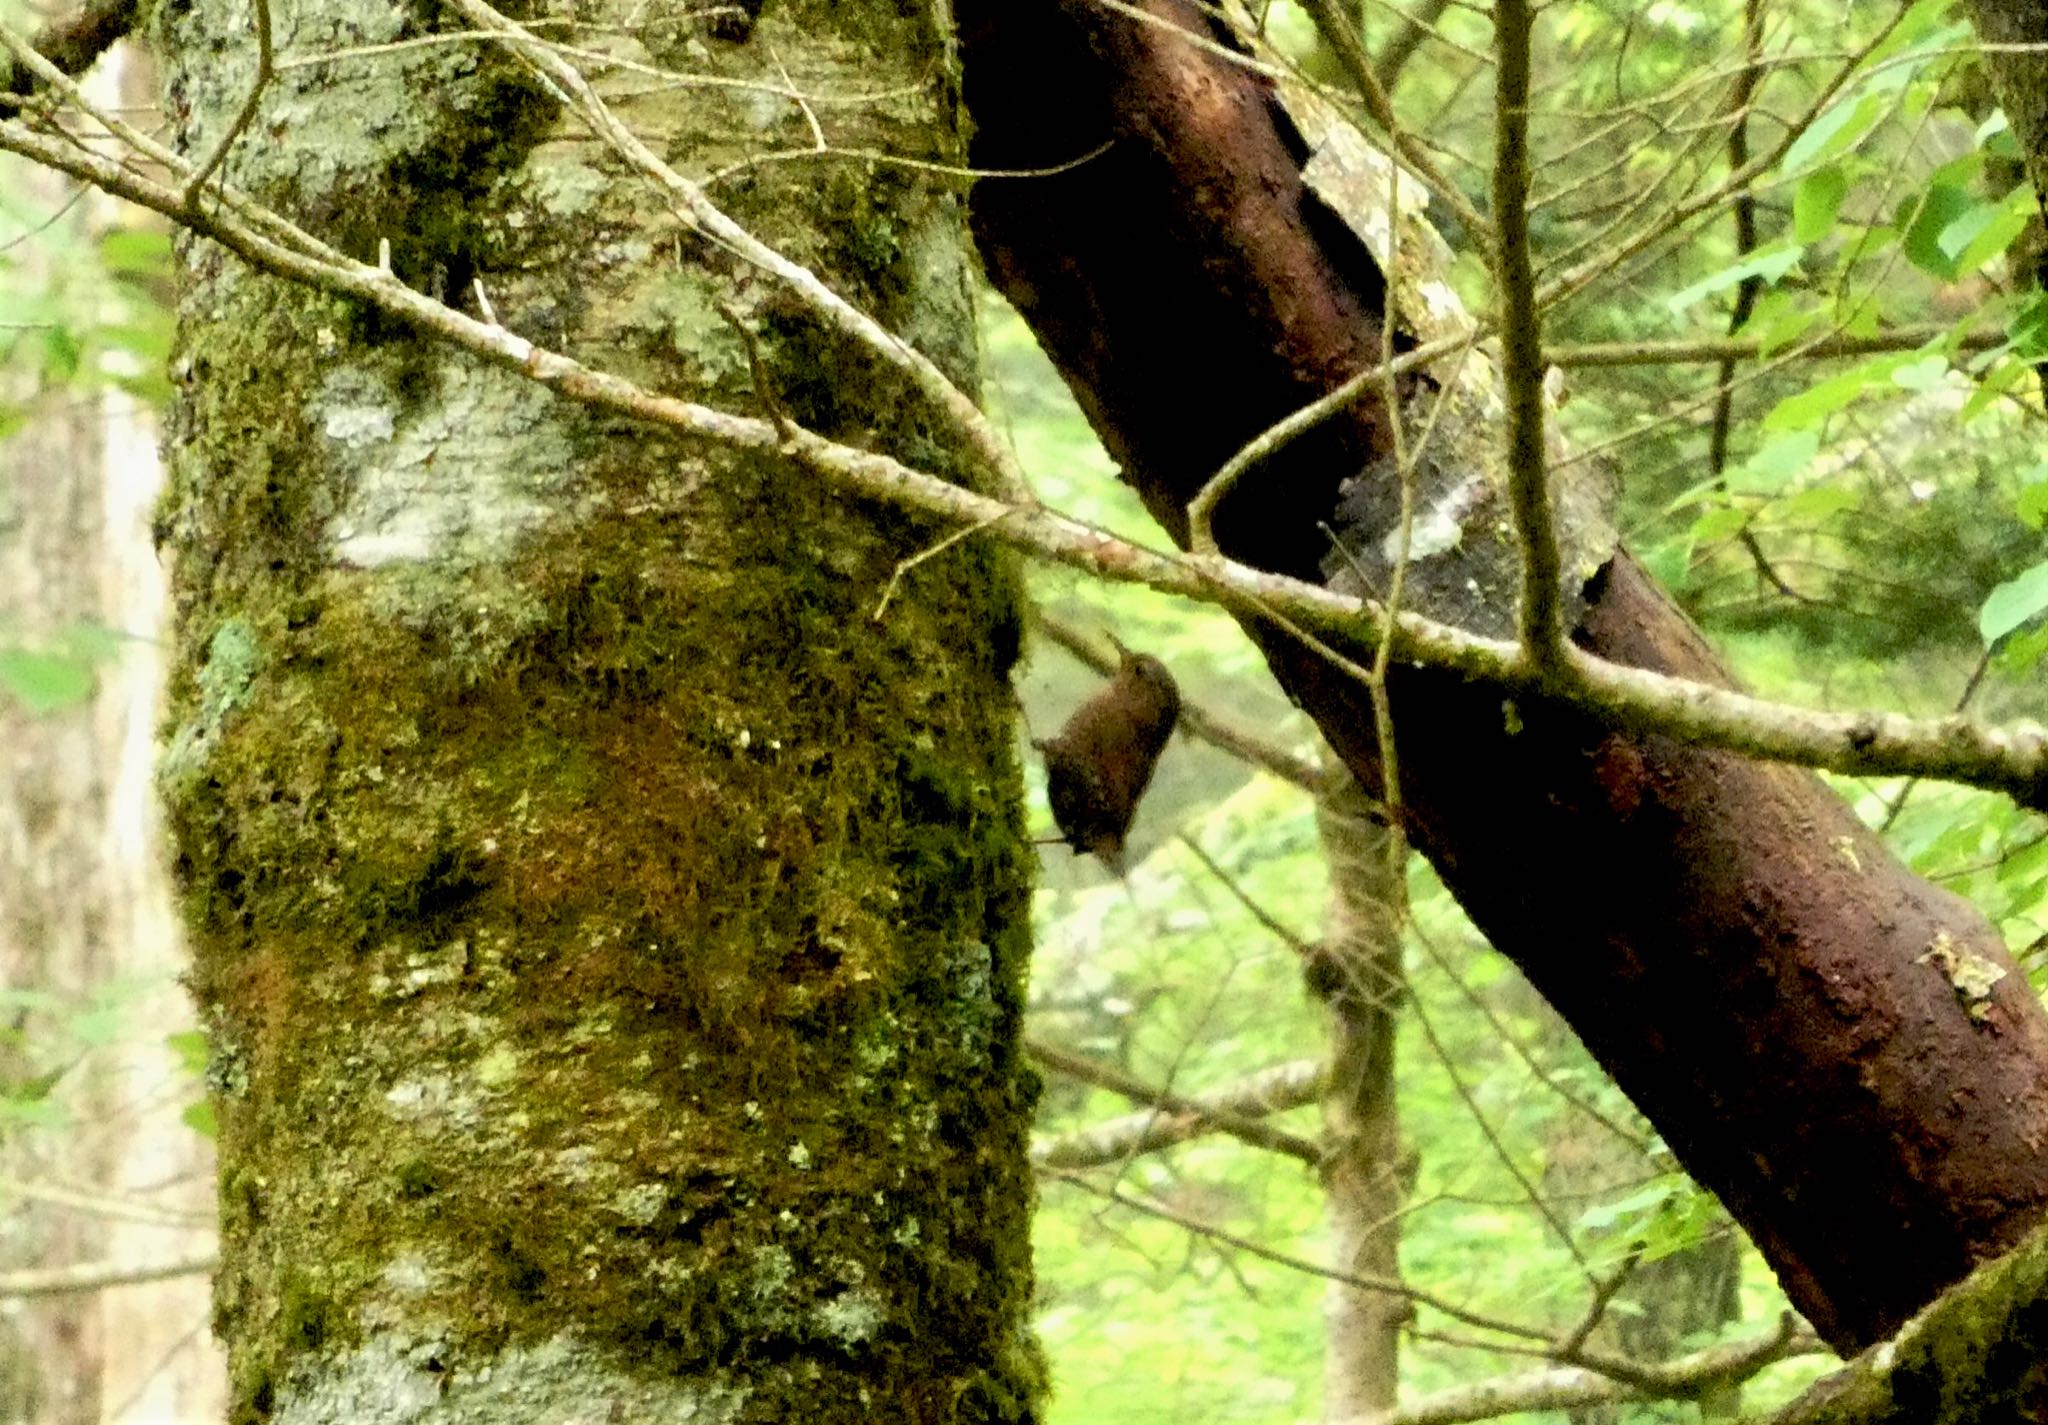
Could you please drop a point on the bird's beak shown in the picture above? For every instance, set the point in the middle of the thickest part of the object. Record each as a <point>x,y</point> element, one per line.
<point>1124,655</point>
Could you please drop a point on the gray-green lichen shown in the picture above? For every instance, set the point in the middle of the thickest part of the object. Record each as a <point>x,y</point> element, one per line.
<point>400,1378</point>
<point>223,683</point>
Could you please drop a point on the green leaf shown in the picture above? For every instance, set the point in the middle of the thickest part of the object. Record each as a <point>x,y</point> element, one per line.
<point>1922,375</point>
<point>1817,503</point>
<point>1769,263</point>
<point>1670,560</point>
<point>2013,603</point>
<point>1835,131</point>
<point>2032,505</point>
<point>45,682</point>
<point>1779,320</point>
<point>192,1048</point>
<point>1818,402</point>
<point>1771,466</point>
<point>1818,202</point>
<point>1924,219</point>
<point>1987,230</point>
<point>1716,523</point>
<point>2028,329</point>
<point>2021,653</point>
<point>199,1117</point>
<point>138,252</point>
<point>2004,374</point>
<point>61,354</point>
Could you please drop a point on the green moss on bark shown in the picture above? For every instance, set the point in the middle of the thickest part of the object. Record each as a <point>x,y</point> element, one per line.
<point>612,931</point>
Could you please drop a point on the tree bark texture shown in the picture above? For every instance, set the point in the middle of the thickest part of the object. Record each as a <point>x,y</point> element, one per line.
<point>612,932</point>
<point>1751,965</point>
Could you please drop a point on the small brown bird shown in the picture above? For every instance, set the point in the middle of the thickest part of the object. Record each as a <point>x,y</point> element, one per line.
<point>1101,762</point>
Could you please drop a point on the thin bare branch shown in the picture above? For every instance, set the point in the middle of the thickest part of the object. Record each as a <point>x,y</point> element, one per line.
<point>1218,1115</point>
<point>243,115</point>
<point>1115,1141</point>
<point>2010,759</point>
<point>1299,1264</point>
<point>1574,1387</point>
<point>1716,349</point>
<point>707,217</point>
<point>1540,616</point>
<point>97,1276</point>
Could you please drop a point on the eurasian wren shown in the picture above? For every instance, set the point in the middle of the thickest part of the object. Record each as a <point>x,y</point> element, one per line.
<point>1102,760</point>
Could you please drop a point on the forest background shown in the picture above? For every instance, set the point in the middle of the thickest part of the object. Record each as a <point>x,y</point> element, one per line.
<point>1855,533</point>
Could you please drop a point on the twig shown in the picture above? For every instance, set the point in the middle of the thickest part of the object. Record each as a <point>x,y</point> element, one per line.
<point>2012,759</point>
<point>1299,944</point>
<point>218,154</point>
<point>1593,268</point>
<point>1340,31</point>
<point>966,418</point>
<point>1115,1141</point>
<point>1540,617</point>
<point>1417,26</point>
<point>97,1276</point>
<point>1314,1269</point>
<point>1222,1118</point>
<point>904,566</point>
<point>1970,686</point>
<point>1569,1344</point>
<point>1569,1387</point>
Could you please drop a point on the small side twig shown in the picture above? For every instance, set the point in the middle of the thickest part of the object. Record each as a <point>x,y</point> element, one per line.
<point>1245,1127</point>
<point>244,115</point>
<point>905,565</point>
<point>1573,1341</point>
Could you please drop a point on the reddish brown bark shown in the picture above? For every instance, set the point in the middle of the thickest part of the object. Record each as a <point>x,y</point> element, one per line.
<point>1736,949</point>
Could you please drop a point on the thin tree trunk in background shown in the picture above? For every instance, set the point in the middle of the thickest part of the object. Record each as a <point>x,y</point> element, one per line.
<point>612,930</point>
<point>1357,969</point>
<point>1717,931</point>
<point>167,1366</point>
<point>54,798</point>
<point>87,898</point>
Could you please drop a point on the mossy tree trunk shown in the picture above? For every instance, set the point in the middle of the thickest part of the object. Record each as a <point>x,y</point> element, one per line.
<point>611,932</point>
